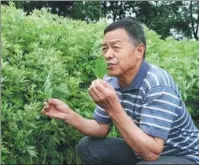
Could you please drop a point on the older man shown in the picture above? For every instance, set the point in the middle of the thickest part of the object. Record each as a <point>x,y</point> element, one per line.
<point>141,100</point>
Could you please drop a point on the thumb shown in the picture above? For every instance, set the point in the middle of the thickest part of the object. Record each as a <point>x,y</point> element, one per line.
<point>55,102</point>
<point>60,105</point>
<point>103,82</point>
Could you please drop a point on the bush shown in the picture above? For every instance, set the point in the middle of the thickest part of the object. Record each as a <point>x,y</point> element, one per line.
<point>49,56</point>
<point>43,56</point>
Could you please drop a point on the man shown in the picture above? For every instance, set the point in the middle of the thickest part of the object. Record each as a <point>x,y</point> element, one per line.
<point>141,100</point>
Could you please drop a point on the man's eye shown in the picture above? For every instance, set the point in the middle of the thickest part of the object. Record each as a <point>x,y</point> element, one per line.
<point>117,48</point>
<point>104,49</point>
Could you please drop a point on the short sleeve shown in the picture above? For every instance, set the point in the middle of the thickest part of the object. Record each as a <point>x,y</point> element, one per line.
<point>101,116</point>
<point>160,109</point>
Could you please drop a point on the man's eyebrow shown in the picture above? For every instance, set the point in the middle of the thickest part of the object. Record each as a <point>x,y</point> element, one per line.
<point>112,42</point>
<point>103,44</point>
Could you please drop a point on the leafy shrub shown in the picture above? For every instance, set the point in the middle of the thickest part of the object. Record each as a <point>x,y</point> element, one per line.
<point>43,57</point>
<point>49,56</point>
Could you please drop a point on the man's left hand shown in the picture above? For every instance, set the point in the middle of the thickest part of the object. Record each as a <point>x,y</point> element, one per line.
<point>104,95</point>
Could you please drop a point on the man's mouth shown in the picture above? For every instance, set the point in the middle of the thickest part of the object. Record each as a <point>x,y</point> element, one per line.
<point>111,65</point>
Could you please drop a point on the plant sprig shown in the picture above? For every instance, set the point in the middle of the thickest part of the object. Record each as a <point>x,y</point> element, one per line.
<point>48,90</point>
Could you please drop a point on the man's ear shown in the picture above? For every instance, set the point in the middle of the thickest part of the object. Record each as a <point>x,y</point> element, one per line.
<point>140,50</point>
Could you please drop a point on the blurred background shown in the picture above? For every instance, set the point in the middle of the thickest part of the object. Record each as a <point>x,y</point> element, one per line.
<point>177,18</point>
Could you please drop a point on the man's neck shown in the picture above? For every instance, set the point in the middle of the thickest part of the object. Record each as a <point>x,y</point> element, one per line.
<point>126,79</point>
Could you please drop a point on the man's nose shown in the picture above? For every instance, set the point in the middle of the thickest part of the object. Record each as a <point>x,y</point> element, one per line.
<point>109,54</point>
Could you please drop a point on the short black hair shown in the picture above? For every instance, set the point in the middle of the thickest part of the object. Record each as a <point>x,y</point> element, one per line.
<point>133,28</point>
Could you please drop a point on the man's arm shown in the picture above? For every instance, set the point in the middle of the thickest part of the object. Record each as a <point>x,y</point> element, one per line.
<point>87,127</point>
<point>148,147</point>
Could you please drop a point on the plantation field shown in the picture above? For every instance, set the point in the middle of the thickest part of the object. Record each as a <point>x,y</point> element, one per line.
<point>46,56</point>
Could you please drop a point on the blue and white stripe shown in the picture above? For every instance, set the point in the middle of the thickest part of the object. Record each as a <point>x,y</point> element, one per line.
<point>155,105</point>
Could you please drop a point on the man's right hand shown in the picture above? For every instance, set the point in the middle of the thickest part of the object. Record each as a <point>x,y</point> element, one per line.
<point>56,108</point>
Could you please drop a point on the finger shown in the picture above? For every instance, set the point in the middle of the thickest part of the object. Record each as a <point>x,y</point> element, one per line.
<point>94,93</point>
<point>100,87</point>
<point>105,88</point>
<point>91,92</point>
<point>55,101</point>
<point>104,83</point>
<point>46,106</point>
<point>45,103</point>
<point>43,111</point>
<point>58,105</point>
<point>52,114</point>
<point>95,89</point>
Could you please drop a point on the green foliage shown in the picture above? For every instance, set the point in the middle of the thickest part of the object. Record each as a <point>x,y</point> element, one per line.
<point>44,56</point>
<point>48,56</point>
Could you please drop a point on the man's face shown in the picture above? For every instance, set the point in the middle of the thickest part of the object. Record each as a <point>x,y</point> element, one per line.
<point>120,53</point>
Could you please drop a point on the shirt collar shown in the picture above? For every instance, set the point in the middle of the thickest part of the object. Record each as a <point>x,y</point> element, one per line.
<point>136,82</point>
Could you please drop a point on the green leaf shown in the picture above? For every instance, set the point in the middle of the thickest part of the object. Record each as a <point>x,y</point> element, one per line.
<point>31,151</point>
<point>47,86</point>
<point>100,67</point>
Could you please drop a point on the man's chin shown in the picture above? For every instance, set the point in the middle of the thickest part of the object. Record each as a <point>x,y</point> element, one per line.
<point>112,74</point>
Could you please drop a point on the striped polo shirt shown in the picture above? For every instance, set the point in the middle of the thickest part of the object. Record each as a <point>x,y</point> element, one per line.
<point>155,105</point>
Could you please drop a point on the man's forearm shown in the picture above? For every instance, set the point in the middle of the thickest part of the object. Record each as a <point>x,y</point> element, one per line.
<point>86,126</point>
<point>140,142</point>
